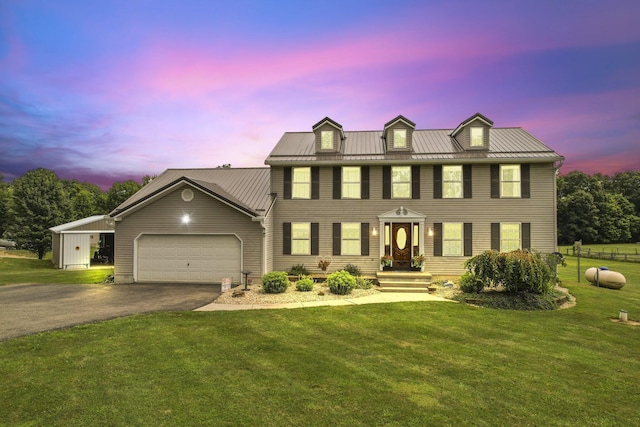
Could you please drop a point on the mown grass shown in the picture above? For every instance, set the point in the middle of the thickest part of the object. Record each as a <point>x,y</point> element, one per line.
<point>33,270</point>
<point>389,364</point>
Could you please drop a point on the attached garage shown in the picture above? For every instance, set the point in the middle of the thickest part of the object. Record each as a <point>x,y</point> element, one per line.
<point>188,258</point>
<point>195,226</point>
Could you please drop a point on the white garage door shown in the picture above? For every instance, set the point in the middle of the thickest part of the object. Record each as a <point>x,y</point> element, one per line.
<point>188,258</point>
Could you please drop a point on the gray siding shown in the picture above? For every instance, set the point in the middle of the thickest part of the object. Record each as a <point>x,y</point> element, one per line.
<point>481,211</point>
<point>163,216</point>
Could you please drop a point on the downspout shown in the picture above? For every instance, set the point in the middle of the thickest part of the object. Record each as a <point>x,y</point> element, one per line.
<point>263,257</point>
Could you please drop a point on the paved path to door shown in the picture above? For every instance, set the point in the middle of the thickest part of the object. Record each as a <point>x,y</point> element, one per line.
<point>28,309</point>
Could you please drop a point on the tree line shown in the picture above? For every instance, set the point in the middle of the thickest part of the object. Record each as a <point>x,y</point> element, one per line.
<point>39,200</point>
<point>599,208</point>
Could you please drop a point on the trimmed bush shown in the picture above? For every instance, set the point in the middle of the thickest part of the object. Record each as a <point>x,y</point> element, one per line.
<point>362,283</point>
<point>341,282</point>
<point>353,270</point>
<point>304,284</point>
<point>275,282</point>
<point>298,270</point>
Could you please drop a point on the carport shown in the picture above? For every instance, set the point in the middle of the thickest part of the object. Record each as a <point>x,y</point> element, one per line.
<point>72,242</point>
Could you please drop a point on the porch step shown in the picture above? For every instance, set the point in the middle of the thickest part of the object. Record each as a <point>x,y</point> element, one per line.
<point>404,281</point>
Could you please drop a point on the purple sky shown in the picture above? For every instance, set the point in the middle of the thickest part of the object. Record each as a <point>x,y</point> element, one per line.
<point>105,91</point>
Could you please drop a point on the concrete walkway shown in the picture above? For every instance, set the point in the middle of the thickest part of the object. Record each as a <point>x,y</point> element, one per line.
<point>378,298</point>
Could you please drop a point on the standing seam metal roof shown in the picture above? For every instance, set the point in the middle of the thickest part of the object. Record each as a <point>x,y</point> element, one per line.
<point>248,188</point>
<point>437,144</point>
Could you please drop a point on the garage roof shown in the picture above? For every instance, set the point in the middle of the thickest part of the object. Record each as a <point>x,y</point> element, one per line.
<point>246,189</point>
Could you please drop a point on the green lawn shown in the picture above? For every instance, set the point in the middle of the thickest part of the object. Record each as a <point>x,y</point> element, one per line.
<point>392,364</point>
<point>33,270</point>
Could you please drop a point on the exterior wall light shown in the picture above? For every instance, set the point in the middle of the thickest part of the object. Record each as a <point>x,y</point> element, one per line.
<point>374,231</point>
<point>430,232</point>
<point>186,219</point>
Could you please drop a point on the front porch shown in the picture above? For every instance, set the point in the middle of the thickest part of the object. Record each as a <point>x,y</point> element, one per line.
<point>404,281</point>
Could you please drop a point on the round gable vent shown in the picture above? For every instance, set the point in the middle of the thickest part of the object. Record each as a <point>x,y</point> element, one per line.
<point>187,195</point>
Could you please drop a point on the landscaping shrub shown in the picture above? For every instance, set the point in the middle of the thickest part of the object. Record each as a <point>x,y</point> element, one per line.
<point>362,283</point>
<point>517,271</point>
<point>304,284</point>
<point>470,283</point>
<point>353,270</point>
<point>275,282</point>
<point>341,282</point>
<point>298,270</point>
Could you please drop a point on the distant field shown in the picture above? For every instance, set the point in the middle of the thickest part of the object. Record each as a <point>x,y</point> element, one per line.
<point>616,251</point>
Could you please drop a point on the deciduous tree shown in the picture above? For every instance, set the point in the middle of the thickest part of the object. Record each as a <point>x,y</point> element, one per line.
<point>39,202</point>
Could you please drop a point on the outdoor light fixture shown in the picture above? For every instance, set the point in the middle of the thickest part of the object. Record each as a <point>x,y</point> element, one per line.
<point>430,232</point>
<point>186,219</point>
<point>374,232</point>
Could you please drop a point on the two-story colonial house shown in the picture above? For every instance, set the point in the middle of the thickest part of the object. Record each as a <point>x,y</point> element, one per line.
<point>351,196</point>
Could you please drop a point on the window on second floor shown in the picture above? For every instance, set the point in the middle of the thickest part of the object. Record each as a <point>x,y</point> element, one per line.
<point>326,142</point>
<point>477,137</point>
<point>401,182</point>
<point>301,188</point>
<point>300,238</point>
<point>399,138</point>
<point>452,182</point>
<point>351,184</point>
<point>510,181</point>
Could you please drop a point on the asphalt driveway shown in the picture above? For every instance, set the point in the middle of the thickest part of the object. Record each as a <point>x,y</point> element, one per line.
<point>28,309</point>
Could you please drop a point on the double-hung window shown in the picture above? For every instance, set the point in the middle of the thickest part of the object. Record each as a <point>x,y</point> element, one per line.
<point>510,181</point>
<point>477,137</point>
<point>351,182</point>
<point>326,141</point>
<point>452,182</point>
<point>452,243</point>
<point>399,138</point>
<point>401,182</point>
<point>300,238</point>
<point>301,181</point>
<point>509,236</point>
<point>350,235</point>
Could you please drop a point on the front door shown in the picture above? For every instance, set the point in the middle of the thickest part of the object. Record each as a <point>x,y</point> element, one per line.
<point>401,245</point>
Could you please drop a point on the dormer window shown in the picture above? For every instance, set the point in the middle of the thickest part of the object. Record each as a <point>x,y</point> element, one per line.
<point>326,140</point>
<point>473,133</point>
<point>477,137</point>
<point>398,135</point>
<point>328,135</point>
<point>399,138</point>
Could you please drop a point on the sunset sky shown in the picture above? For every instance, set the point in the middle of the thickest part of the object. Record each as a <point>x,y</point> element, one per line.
<point>105,91</point>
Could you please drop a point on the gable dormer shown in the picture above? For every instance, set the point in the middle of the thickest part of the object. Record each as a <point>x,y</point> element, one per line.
<point>473,133</point>
<point>398,134</point>
<point>329,136</point>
